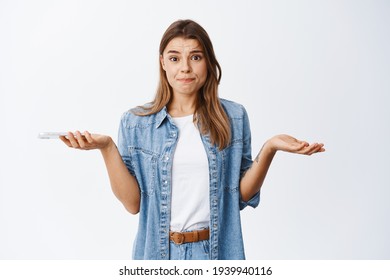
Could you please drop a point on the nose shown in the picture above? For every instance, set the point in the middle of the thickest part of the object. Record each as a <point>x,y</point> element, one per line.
<point>185,66</point>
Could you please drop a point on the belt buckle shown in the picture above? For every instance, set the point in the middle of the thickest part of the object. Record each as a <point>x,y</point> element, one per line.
<point>177,237</point>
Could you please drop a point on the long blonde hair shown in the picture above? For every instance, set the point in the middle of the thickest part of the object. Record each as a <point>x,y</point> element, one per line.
<point>209,114</point>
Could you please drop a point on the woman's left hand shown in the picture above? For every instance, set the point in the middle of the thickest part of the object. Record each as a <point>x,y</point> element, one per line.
<point>289,144</point>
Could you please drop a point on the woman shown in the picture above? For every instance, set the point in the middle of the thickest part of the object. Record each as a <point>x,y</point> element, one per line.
<point>183,161</point>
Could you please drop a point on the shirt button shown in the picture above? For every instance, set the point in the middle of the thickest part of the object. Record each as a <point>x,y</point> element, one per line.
<point>166,158</point>
<point>165,182</point>
<point>173,134</point>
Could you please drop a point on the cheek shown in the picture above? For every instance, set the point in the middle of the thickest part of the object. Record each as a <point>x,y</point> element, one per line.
<point>203,72</point>
<point>170,75</point>
<point>170,71</point>
<point>203,67</point>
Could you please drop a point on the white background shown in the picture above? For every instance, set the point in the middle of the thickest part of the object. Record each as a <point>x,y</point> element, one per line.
<point>318,70</point>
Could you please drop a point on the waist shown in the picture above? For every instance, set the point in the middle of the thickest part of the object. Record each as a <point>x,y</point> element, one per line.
<point>189,236</point>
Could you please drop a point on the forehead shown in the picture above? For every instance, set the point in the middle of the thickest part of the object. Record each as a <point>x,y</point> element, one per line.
<point>182,45</point>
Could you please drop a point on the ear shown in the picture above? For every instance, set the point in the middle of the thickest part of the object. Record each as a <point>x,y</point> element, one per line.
<point>162,62</point>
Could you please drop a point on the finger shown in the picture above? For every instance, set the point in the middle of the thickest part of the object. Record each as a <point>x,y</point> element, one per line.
<point>304,144</point>
<point>66,141</point>
<point>73,140</point>
<point>300,148</point>
<point>88,136</point>
<point>320,149</point>
<point>307,150</point>
<point>316,148</point>
<point>80,139</point>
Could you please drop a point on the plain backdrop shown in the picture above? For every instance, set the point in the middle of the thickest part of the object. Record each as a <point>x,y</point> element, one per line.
<point>317,70</point>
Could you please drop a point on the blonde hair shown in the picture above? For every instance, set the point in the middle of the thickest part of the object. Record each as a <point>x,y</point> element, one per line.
<point>209,114</point>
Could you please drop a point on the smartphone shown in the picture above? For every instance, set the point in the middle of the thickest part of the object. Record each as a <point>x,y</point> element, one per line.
<point>52,135</point>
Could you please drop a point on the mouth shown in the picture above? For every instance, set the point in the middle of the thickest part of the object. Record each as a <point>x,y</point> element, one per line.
<point>186,80</point>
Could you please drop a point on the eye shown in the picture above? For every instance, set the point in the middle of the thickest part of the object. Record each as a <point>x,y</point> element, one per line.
<point>196,57</point>
<point>173,58</point>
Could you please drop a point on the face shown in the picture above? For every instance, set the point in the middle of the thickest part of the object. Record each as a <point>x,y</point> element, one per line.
<point>185,65</point>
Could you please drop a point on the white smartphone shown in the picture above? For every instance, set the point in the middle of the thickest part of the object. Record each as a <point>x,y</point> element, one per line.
<point>52,135</point>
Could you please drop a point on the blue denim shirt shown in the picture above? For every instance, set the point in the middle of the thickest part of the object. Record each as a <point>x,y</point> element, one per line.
<point>147,145</point>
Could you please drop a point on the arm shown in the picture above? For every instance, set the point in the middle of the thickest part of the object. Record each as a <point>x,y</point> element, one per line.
<point>123,184</point>
<point>253,179</point>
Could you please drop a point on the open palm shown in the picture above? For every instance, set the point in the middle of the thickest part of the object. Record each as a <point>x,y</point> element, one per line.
<point>290,144</point>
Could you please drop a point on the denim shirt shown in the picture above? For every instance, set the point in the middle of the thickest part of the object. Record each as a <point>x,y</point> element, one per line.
<point>147,145</point>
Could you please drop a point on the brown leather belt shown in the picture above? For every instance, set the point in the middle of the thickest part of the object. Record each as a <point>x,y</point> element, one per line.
<point>190,236</point>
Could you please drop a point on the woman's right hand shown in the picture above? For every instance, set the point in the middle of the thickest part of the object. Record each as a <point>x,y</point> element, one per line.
<point>87,141</point>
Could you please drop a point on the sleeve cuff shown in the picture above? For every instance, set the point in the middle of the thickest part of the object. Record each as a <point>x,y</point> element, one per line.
<point>253,202</point>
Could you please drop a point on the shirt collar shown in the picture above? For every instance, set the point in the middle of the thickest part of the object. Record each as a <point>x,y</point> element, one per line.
<point>161,116</point>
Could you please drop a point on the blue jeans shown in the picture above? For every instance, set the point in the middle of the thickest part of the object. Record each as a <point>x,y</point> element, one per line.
<point>189,251</point>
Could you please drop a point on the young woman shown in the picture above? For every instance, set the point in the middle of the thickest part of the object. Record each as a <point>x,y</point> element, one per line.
<point>183,161</point>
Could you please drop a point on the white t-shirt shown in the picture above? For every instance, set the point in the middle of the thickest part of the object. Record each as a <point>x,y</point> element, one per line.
<point>190,206</point>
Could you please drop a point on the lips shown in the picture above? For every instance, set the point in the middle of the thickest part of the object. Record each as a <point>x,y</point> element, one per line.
<point>186,80</point>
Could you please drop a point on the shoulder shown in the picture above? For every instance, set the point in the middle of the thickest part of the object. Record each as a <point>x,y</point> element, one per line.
<point>135,117</point>
<point>233,110</point>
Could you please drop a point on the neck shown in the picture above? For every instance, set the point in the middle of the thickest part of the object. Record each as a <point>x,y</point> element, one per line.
<point>182,105</point>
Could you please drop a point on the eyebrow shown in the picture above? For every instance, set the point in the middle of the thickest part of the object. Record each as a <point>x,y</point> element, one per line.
<point>177,52</point>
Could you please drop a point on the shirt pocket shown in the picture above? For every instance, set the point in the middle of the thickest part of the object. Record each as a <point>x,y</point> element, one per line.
<point>144,163</point>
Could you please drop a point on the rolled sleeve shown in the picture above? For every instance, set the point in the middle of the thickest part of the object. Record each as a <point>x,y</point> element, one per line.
<point>123,147</point>
<point>246,160</point>
<point>253,202</point>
